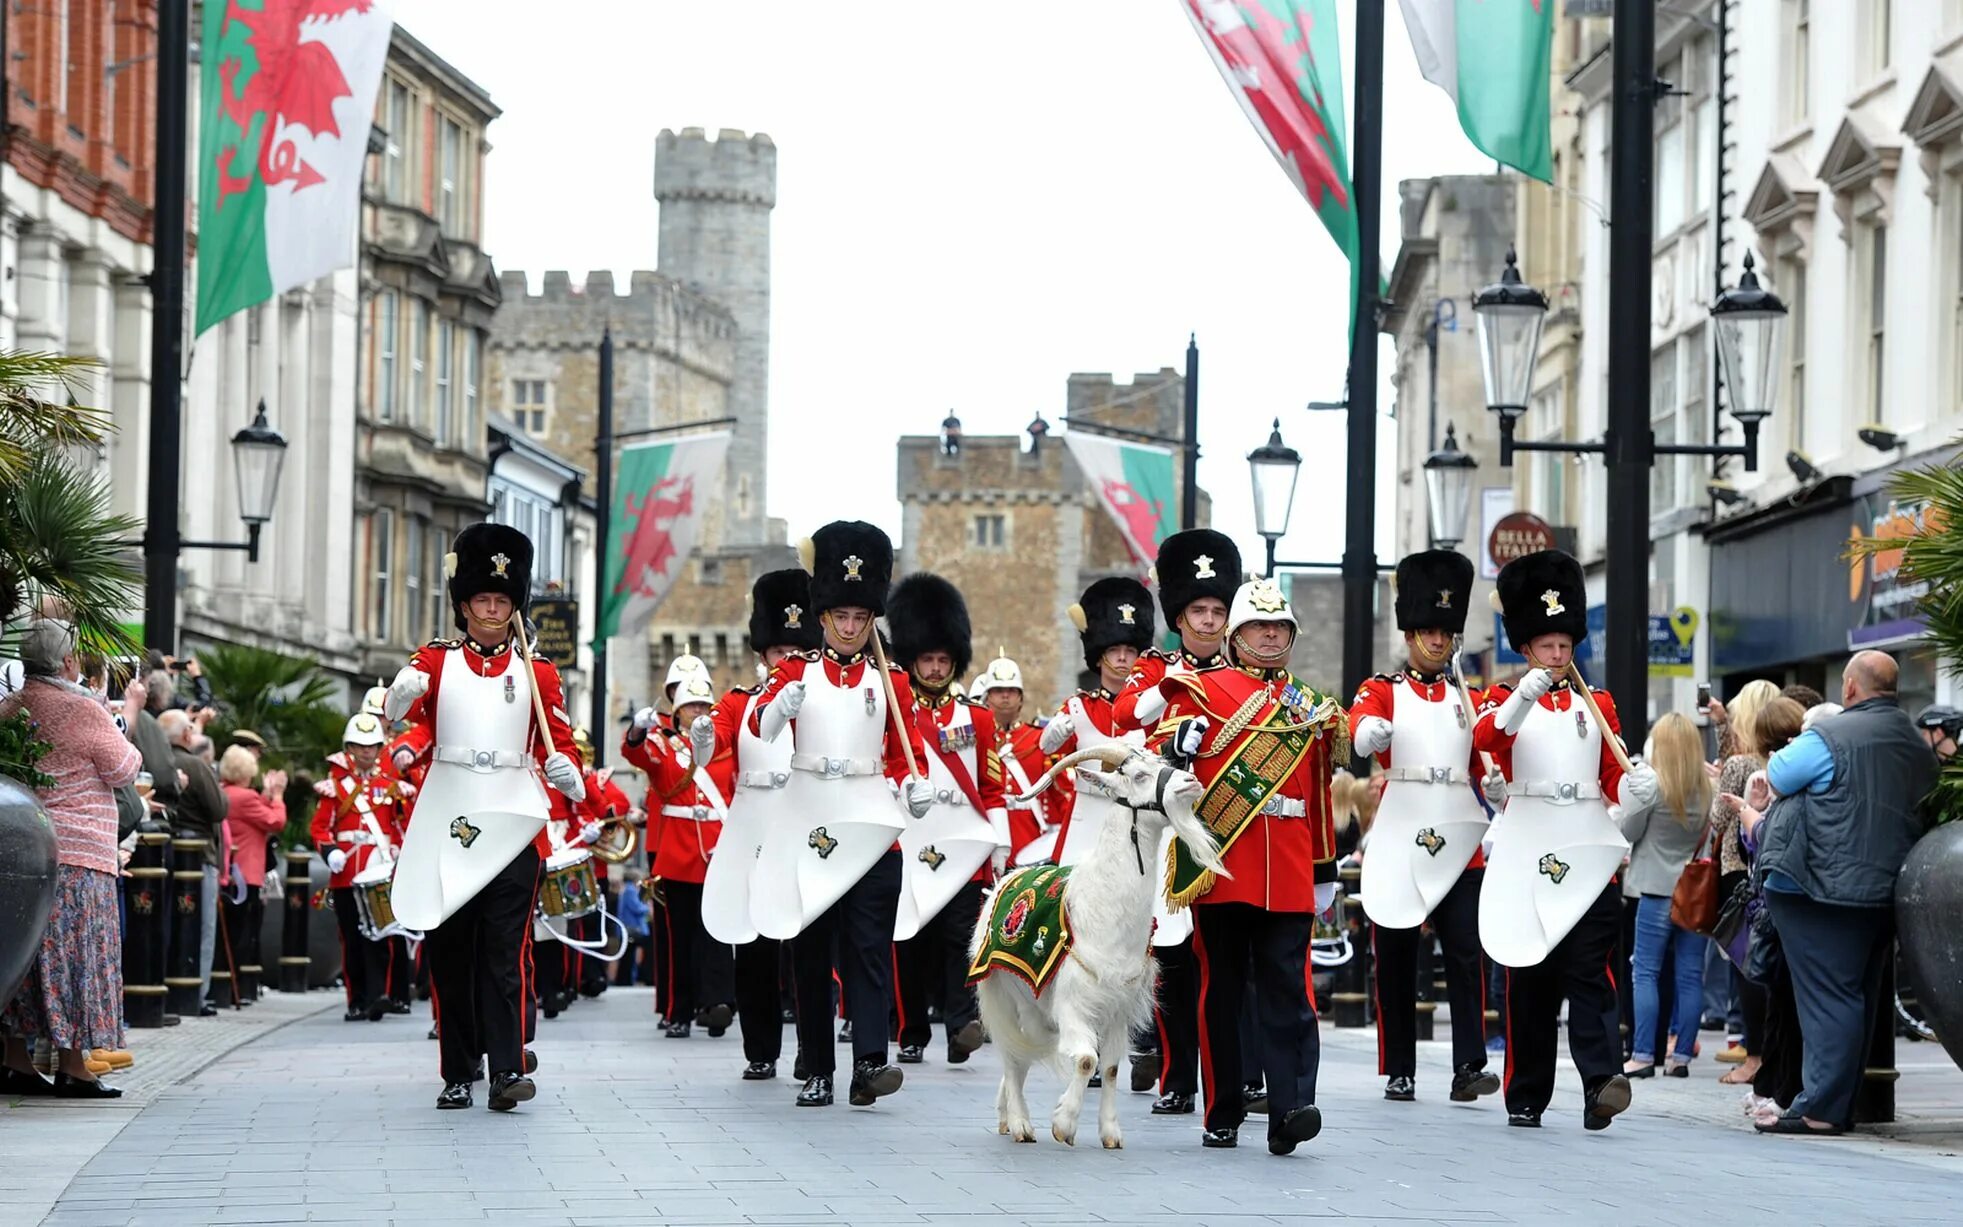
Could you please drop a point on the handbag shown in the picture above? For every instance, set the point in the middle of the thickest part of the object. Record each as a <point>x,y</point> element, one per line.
<point>1733,931</point>
<point>1694,904</point>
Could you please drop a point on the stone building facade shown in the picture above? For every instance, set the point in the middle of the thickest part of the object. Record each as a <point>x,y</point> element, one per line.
<point>1009,520</point>
<point>691,344</point>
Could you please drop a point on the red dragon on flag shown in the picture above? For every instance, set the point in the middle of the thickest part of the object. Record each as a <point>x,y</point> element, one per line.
<point>275,78</point>
<point>651,542</point>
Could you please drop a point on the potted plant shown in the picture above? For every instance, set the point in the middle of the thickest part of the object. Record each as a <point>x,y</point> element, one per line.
<point>1929,893</point>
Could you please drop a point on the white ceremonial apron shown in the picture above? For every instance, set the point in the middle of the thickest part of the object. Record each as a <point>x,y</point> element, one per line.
<point>1425,830</point>
<point>473,821</point>
<point>1551,856</point>
<point>763,771</point>
<point>942,849</point>
<point>828,832</point>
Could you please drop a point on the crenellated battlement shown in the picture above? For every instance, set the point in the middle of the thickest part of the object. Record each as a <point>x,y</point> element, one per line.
<point>656,313</point>
<point>733,168</point>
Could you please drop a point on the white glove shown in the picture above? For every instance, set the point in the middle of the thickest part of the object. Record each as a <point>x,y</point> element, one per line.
<point>998,861</point>
<point>337,860</point>
<point>1325,897</point>
<point>1494,786</point>
<point>1149,707</point>
<point>1372,735</point>
<point>702,738</point>
<point>1186,741</point>
<point>323,788</point>
<point>919,797</point>
<point>409,685</point>
<point>645,719</point>
<point>590,833</point>
<point>782,710</point>
<point>563,774</point>
<point>404,789</point>
<point>1055,733</point>
<point>1639,787</point>
<point>1531,690</point>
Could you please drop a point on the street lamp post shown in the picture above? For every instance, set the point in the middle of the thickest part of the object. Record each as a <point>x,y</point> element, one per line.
<point>1274,468</point>
<point>1448,485</point>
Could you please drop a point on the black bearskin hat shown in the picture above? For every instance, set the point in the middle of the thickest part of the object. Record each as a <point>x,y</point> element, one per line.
<point>851,563</point>
<point>927,614</point>
<point>1198,562</point>
<point>1432,587</point>
<point>490,557</point>
<point>1542,594</point>
<point>1113,612</point>
<point>780,611</point>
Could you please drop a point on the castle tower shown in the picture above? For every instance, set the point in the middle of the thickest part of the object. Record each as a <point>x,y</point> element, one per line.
<point>715,197</point>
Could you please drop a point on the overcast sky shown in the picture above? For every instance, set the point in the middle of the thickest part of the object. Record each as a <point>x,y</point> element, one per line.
<point>974,201</point>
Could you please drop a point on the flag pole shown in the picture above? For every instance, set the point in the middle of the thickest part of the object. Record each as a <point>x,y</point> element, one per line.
<point>161,541</point>
<point>602,529</point>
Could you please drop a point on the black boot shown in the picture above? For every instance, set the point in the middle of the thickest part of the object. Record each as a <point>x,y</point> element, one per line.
<point>1525,1118</point>
<point>717,1020</point>
<point>964,1043</point>
<point>1469,1082</point>
<point>1254,1099</point>
<point>1401,1089</point>
<point>817,1092</point>
<point>510,1090</point>
<point>872,1078</point>
<point>760,1071</point>
<point>1606,1102</point>
<point>1144,1071</point>
<point>1172,1103</point>
<point>1220,1139</point>
<point>911,1054</point>
<point>455,1095</point>
<point>1300,1125</point>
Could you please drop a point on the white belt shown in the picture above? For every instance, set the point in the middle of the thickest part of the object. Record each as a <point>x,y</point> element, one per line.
<point>1025,808</point>
<point>834,768</point>
<point>1586,790</point>
<point>950,796</point>
<point>694,813</point>
<point>763,779</point>
<point>481,760</point>
<point>1285,807</point>
<point>1429,775</point>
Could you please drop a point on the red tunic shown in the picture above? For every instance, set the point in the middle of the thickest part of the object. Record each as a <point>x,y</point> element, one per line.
<point>1488,736</point>
<point>338,818</point>
<point>939,714</point>
<point>416,740</point>
<point>1276,860</point>
<point>1024,741</point>
<point>1151,669</point>
<point>492,662</point>
<point>1378,697</point>
<point>679,842</point>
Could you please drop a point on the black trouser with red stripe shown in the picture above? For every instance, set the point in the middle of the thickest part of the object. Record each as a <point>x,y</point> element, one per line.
<point>364,964</point>
<point>402,971</point>
<point>937,957</point>
<point>1578,968</point>
<point>552,972</point>
<point>698,970</point>
<point>855,935</point>
<point>1230,941</point>
<point>1456,921</point>
<point>477,972</point>
<point>757,997</point>
<point>1176,1012</point>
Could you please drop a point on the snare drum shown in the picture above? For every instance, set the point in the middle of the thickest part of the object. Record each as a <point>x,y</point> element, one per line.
<point>1329,941</point>
<point>571,889</point>
<point>373,908</point>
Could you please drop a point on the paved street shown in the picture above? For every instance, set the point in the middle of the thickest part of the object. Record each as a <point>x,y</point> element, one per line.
<point>321,1121</point>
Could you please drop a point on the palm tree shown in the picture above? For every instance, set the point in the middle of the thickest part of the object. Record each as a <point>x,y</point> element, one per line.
<point>1934,554</point>
<point>64,550</point>
<point>289,703</point>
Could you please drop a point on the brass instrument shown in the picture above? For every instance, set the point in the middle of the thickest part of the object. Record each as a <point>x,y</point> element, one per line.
<point>618,841</point>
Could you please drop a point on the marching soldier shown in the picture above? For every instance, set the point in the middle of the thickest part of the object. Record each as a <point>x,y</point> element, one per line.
<point>963,841</point>
<point>1198,572</point>
<point>1264,745</point>
<point>829,873</point>
<point>360,815</point>
<point>686,806</point>
<point>1115,622</point>
<point>780,625</point>
<point>1018,744</point>
<point>1550,910</point>
<point>469,871</point>
<point>1422,860</point>
<point>555,965</point>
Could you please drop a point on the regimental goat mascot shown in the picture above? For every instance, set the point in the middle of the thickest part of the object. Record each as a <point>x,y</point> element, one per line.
<point>1062,958</point>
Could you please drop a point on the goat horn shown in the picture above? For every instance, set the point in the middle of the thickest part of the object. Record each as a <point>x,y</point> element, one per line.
<point>1110,755</point>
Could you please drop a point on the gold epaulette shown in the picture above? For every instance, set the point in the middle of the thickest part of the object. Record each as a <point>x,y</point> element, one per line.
<point>445,644</point>
<point>809,655</point>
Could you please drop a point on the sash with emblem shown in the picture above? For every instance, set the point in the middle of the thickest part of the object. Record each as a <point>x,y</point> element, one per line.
<point>1270,737</point>
<point>1028,929</point>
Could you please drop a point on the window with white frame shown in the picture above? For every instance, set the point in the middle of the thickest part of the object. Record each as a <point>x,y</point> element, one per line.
<point>418,403</point>
<point>1797,16</point>
<point>1791,288</point>
<point>1663,483</point>
<point>449,188</point>
<point>1874,365</point>
<point>990,532</point>
<point>1875,34</point>
<point>395,155</point>
<point>439,593</point>
<point>530,405</point>
<point>381,571</point>
<point>446,348</point>
<point>414,535</point>
<point>387,327</point>
<point>473,347</point>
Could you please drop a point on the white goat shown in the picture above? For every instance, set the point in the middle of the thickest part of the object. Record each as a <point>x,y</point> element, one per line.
<point>1105,985</point>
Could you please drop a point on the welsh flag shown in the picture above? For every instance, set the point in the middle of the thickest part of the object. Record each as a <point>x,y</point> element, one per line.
<point>660,494</point>
<point>1135,484</point>
<point>1282,60</point>
<point>1491,56</point>
<point>288,97</point>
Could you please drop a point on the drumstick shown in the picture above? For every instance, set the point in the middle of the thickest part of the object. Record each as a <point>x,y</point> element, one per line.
<point>1614,742</point>
<point>893,705</point>
<point>1471,712</point>
<point>538,700</point>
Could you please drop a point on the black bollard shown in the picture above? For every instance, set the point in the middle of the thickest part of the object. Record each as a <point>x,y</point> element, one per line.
<point>181,978</point>
<point>245,927</point>
<point>1350,1002</point>
<point>293,933</point>
<point>147,891</point>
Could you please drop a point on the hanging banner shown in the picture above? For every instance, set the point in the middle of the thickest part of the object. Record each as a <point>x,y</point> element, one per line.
<point>661,492</point>
<point>288,100</point>
<point>1135,484</point>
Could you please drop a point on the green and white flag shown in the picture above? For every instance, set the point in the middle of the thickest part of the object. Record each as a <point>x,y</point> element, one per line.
<point>1135,484</point>
<point>660,494</point>
<point>1491,56</point>
<point>287,91</point>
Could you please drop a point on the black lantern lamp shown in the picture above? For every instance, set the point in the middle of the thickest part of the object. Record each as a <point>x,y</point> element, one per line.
<point>1448,482</point>
<point>1274,468</point>
<point>1751,324</point>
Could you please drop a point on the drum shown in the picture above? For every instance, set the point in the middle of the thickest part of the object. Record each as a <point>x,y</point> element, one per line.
<point>1329,942</point>
<point>571,889</point>
<point>374,909</point>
